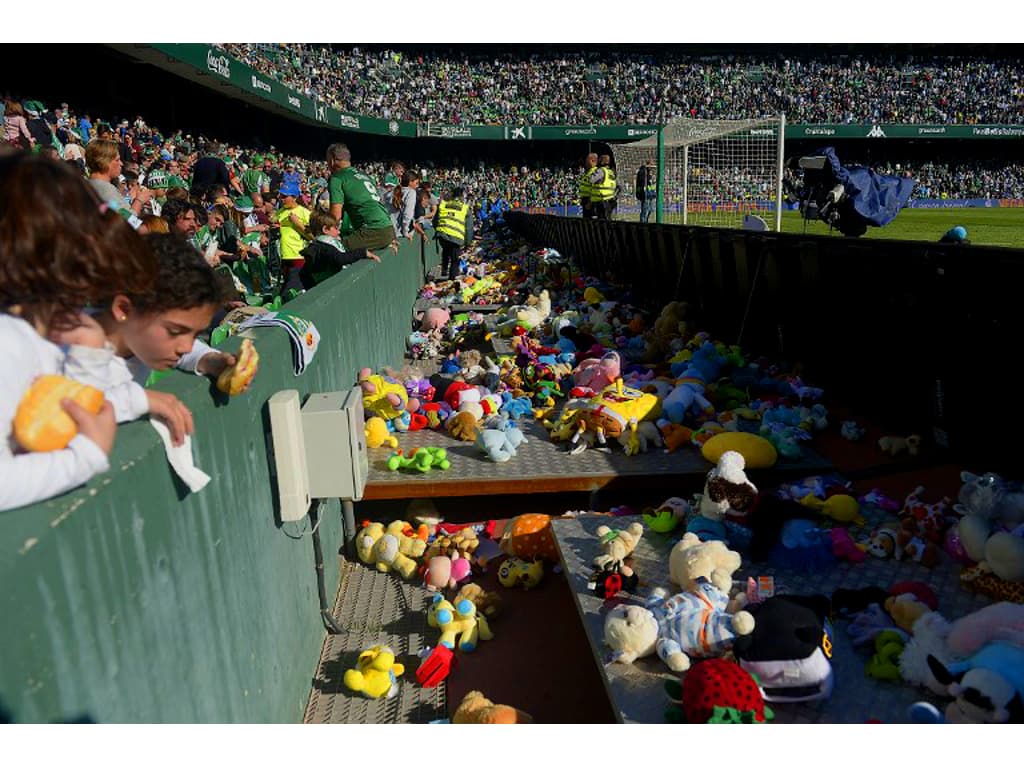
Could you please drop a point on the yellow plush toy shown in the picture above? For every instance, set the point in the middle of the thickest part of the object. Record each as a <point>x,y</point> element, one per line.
<point>388,549</point>
<point>756,451</point>
<point>525,573</point>
<point>376,673</point>
<point>615,412</point>
<point>384,397</point>
<point>841,508</point>
<point>460,620</point>
<point>377,433</point>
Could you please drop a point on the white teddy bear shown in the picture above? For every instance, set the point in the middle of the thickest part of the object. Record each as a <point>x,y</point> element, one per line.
<point>692,559</point>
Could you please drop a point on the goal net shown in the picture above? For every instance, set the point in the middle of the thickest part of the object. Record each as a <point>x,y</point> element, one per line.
<point>716,172</point>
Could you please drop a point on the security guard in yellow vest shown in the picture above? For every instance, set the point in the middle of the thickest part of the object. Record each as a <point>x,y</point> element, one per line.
<point>603,186</point>
<point>586,190</point>
<point>453,225</point>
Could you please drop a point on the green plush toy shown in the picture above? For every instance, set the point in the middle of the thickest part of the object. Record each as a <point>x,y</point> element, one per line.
<point>885,664</point>
<point>421,459</point>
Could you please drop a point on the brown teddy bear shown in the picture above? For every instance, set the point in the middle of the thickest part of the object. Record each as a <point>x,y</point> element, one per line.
<point>487,603</point>
<point>477,709</point>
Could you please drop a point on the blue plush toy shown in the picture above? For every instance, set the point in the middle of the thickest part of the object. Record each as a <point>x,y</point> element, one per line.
<point>515,407</point>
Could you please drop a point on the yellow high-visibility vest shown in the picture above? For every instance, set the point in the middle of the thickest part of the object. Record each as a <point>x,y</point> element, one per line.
<point>586,190</point>
<point>452,219</point>
<point>605,190</point>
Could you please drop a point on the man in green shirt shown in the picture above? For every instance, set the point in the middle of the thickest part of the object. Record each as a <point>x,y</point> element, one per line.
<point>355,194</point>
<point>255,182</point>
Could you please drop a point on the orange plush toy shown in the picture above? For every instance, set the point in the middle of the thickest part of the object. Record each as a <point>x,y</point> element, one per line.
<point>477,709</point>
<point>530,537</point>
<point>236,379</point>
<point>40,423</point>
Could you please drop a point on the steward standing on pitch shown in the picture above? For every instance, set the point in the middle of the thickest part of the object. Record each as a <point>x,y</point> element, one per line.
<point>646,189</point>
<point>586,190</point>
<point>454,228</point>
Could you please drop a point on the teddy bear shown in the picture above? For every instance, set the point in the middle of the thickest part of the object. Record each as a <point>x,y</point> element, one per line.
<point>462,426</point>
<point>487,603</point>
<point>463,541</point>
<point>476,709</point>
<point>375,674</point>
<point>459,621</point>
<point>689,624</point>
<point>616,546</point>
<point>469,366</point>
<point>692,559</point>
<point>389,548</point>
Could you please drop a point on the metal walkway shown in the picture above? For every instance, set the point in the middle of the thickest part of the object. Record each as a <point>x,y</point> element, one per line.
<point>375,609</point>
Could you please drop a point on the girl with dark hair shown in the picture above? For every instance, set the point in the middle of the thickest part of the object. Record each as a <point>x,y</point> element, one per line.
<point>61,250</point>
<point>156,330</point>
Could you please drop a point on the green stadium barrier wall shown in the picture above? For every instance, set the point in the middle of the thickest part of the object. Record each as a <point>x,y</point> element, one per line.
<point>903,331</point>
<point>131,600</point>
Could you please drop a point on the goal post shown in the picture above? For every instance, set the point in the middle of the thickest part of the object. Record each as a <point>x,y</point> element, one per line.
<point>711,172</point>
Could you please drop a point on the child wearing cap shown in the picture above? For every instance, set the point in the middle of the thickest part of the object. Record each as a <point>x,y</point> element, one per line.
<point>294,222</point>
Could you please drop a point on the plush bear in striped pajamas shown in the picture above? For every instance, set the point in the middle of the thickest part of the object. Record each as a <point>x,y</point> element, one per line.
<point>688,624</point>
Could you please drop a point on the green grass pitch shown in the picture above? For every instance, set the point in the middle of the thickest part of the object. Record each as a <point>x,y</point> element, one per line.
<point>985,226</point>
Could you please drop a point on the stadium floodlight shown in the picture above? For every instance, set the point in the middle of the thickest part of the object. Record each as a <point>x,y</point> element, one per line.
<point>714,172</point>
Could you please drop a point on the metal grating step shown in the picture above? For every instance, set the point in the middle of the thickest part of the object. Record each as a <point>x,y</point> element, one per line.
<point>375,609</point>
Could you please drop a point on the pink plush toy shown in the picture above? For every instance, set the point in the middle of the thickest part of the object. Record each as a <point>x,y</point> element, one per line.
<point>597,374</point>
<point>434,318</point>
<point>445,572</point>
<point>999,622</point>
<point>843,546</point>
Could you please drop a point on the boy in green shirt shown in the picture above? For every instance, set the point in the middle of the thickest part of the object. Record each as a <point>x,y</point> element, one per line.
<point>354,193</point>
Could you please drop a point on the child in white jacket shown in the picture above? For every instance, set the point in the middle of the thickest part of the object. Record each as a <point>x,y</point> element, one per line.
<point>60,249</point>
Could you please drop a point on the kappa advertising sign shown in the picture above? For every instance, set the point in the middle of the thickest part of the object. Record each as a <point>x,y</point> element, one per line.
<point>295,102</point>
<point>218,64</point>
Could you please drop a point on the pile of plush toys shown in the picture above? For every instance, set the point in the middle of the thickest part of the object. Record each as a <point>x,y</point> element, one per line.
<point>445,559</point>
<point>747,644</point>
<point>596,371</point>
